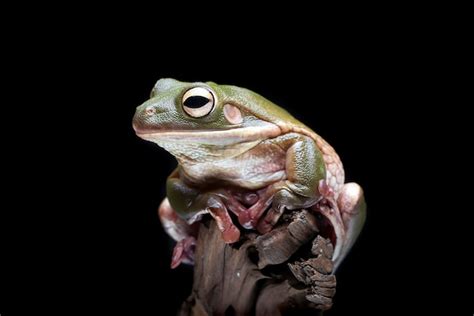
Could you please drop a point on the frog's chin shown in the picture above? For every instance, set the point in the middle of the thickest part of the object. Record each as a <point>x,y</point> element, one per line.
<point>213,137</point>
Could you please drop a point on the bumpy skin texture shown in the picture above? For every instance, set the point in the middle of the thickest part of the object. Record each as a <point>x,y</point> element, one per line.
<point>239,152</point>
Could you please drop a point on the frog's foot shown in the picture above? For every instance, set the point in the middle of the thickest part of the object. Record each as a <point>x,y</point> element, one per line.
<point>343,219</point>
<point>259,202</point>
<point>250,206</point>
<point>283,199</point>
<point>183,252</point>
<point>271,218</point>
<point>179,230</point>
<point>217,209</point>
<point>352,205</point>
<point>174,226</point>
<point>255,212</point>
<point>212,203</point>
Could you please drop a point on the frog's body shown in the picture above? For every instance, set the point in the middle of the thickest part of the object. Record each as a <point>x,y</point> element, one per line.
<point>238,151</point>
<point>263,170</point>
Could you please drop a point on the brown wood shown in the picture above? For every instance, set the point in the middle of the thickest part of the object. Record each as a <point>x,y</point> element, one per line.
<point>286,271</point>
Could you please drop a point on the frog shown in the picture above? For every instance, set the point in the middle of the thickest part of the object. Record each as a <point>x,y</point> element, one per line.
<point>244,161</point>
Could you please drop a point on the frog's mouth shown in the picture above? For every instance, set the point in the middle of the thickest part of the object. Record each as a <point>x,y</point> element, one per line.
<point>212,137</point>
<point>197,146</point>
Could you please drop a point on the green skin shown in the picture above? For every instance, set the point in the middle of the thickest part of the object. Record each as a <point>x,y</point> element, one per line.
<point>263,156</point>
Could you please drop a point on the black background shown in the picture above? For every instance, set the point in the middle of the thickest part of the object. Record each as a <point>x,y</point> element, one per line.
<point>83,234</point>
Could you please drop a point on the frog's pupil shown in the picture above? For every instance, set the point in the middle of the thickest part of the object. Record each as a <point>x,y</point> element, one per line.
<point>196,101</point>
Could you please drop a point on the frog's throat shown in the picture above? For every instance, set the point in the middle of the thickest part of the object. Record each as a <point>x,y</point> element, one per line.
<point>214,137</point>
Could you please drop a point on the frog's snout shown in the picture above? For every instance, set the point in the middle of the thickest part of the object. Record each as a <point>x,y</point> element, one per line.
<point>145,118</point>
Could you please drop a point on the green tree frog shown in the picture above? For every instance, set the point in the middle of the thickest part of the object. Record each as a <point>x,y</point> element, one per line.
<point>238,152</point>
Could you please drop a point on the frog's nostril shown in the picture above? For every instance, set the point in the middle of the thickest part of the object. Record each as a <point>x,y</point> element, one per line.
<point>150,110</point>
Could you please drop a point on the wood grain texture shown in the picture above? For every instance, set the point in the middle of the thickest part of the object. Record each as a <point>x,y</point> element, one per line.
<point>286,271</point>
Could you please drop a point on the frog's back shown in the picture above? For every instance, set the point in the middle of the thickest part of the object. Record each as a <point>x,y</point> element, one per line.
<point>270,112</point>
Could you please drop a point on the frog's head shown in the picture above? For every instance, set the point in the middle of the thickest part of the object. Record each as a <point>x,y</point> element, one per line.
<point>205,121</point>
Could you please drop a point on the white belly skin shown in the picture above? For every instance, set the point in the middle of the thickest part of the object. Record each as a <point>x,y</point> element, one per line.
<point>257,168</point>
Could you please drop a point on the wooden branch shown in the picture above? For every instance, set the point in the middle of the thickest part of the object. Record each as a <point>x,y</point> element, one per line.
<point>285,271</point>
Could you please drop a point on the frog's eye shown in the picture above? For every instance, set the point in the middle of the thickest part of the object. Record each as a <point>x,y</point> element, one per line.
<point>198,102</point>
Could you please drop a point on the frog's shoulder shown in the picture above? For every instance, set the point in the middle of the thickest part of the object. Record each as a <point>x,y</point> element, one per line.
<point>323,145</point>
<point>268,111</point>
<point>265,109</point>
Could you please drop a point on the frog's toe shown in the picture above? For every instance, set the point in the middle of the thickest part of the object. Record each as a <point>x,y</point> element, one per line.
<point>352,207</point>
<point>183,252</point>
<point>230,233</point>
<point>350,198</point>
<point>271,218</point>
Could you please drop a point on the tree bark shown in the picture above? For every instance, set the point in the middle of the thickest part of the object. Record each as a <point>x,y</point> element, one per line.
<point>286,271</point>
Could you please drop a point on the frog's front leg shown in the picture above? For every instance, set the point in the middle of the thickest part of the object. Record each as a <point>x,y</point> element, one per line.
<point>190,204</point>
<point>183,233</point>
<point>304,168</point>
